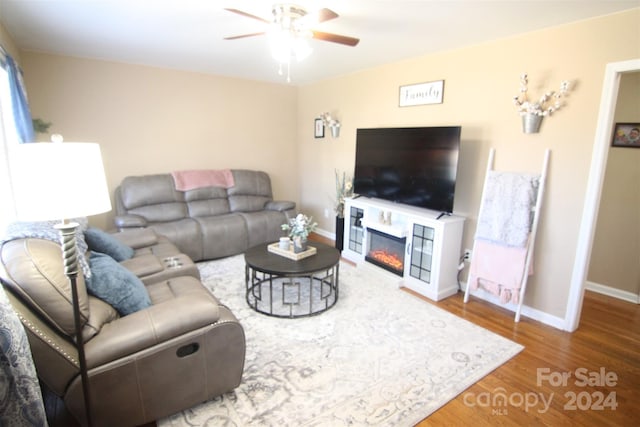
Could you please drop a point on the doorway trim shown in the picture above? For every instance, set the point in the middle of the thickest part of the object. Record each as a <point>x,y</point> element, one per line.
<point>613,72</point>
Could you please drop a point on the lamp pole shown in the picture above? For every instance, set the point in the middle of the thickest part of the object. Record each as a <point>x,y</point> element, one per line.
<point>67,232</point>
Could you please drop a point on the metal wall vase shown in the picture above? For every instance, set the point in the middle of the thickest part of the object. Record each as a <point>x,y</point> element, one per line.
<point>531,123</point>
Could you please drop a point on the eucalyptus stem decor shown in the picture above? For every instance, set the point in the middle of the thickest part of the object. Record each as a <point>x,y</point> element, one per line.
<point>299,229</point>
<point>532,112</point>
<point>344,188</point>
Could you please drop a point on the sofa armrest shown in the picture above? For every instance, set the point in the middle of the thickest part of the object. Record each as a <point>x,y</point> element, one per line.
<point>143,265</point>
<point>279,205</point>
<point>151,326</point>
<point>137,238</point>
<point>129,221</point>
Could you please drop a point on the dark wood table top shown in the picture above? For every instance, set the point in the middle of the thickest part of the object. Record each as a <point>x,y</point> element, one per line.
<point>259,258</point>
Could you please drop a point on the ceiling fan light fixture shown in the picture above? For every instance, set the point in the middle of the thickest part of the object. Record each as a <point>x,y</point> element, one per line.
<point>289,32</point>
<point>286,45</point>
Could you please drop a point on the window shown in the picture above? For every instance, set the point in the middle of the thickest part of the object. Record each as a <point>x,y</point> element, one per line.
<point>8,137</point>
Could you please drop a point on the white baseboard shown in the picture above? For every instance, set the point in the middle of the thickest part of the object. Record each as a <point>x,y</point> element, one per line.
<point>325,233</point>
<point>532,313</point>
<point>613,292</point>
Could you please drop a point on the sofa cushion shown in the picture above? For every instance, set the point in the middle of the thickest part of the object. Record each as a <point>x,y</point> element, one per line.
<point>185,234</point>
<point>116,285</point>
<point>245,203</point>
<point>136,191</point>
<point>248,182</point>
<point>152,197</point>
<point>263,226</point>
<point>33,269</point>
<point>251,192</point>
<point>100,241</point>
<point>46,230</point>
<point>163,212</point>
<point>223,235</point>
<point>143,265</point>
<point>100,314</point>
<point>207,201</point>
<point>205,193</point>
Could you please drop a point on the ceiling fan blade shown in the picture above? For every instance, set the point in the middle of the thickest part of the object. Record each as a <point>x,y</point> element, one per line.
<point>248,15</point>
<point>326,15</point>
<point>335,38</point>
<point>244,35</point>
<point>317,17</point>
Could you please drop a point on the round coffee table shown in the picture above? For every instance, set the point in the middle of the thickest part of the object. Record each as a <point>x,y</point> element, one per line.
<point>281,287</point>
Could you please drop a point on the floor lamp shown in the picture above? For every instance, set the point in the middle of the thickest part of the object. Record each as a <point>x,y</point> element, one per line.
<point>60,181</point>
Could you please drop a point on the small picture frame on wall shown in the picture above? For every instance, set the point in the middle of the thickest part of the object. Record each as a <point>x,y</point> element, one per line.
<point>319,128</point>
<point>626,135</point>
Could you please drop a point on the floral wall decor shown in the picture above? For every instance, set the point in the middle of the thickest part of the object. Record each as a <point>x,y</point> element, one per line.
<point>532,112</point>
<point>332,123</point>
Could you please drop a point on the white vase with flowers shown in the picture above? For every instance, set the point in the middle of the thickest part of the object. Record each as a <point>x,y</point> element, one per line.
<point>299,229</point>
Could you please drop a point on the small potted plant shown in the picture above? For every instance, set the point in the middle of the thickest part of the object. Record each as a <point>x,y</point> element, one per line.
<point>40,126</point>
<point>299,229</point>
<point>533,112</point>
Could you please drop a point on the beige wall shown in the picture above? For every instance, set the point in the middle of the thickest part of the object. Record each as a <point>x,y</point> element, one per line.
<point>9,45</point>
<point>149,120</point>
<point>480,83</point>
<point>615,260</point>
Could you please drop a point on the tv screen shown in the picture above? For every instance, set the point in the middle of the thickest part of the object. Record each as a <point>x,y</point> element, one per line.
<point>415,166</point>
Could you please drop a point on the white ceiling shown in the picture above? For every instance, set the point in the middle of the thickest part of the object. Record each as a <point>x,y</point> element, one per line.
<point>188,34</point>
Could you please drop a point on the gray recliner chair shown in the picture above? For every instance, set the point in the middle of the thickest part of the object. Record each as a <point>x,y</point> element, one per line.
<point>182,350</point>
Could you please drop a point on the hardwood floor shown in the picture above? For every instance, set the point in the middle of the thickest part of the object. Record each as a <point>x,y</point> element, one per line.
<point>600,361</point>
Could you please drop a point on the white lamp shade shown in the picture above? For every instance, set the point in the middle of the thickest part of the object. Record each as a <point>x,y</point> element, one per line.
<point>58,181</point>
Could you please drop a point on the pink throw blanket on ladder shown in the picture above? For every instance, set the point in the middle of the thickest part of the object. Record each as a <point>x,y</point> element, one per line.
<point>192,179</point>
<point>498,269</point>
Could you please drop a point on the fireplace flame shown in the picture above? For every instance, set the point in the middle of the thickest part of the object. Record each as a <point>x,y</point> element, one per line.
<point>390,259</point>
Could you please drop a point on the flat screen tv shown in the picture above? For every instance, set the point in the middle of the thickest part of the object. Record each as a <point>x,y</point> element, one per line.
<point>416,166</point>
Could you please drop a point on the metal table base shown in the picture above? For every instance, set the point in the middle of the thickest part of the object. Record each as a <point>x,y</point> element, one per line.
<point>292,295</point>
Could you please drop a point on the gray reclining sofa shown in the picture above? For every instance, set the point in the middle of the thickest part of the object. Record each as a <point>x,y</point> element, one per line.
<point>208,222</point>
<point>174,351</point>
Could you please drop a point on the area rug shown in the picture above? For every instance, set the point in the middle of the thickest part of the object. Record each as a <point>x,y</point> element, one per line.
<point>379,357</point>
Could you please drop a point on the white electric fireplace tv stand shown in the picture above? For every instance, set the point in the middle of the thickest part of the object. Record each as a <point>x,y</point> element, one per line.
<point>419,247</point>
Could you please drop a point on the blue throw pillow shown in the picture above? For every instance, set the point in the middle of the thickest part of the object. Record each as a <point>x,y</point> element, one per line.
<point>100,241</point>
<point>116,285</point>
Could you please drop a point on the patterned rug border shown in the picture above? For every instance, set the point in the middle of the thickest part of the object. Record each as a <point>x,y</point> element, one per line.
<point>277,376</point>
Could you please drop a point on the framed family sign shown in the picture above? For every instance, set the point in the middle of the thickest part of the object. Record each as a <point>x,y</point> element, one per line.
<point>421,93</point>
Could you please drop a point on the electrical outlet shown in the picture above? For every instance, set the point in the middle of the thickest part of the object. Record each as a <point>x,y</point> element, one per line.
<point>467,255</point>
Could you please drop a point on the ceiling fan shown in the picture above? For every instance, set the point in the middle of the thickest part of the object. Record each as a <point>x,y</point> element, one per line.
<point>296,21</point>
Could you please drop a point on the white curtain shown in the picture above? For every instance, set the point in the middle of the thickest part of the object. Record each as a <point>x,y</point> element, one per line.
<point>8,137</point>
<point>20,396</point>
